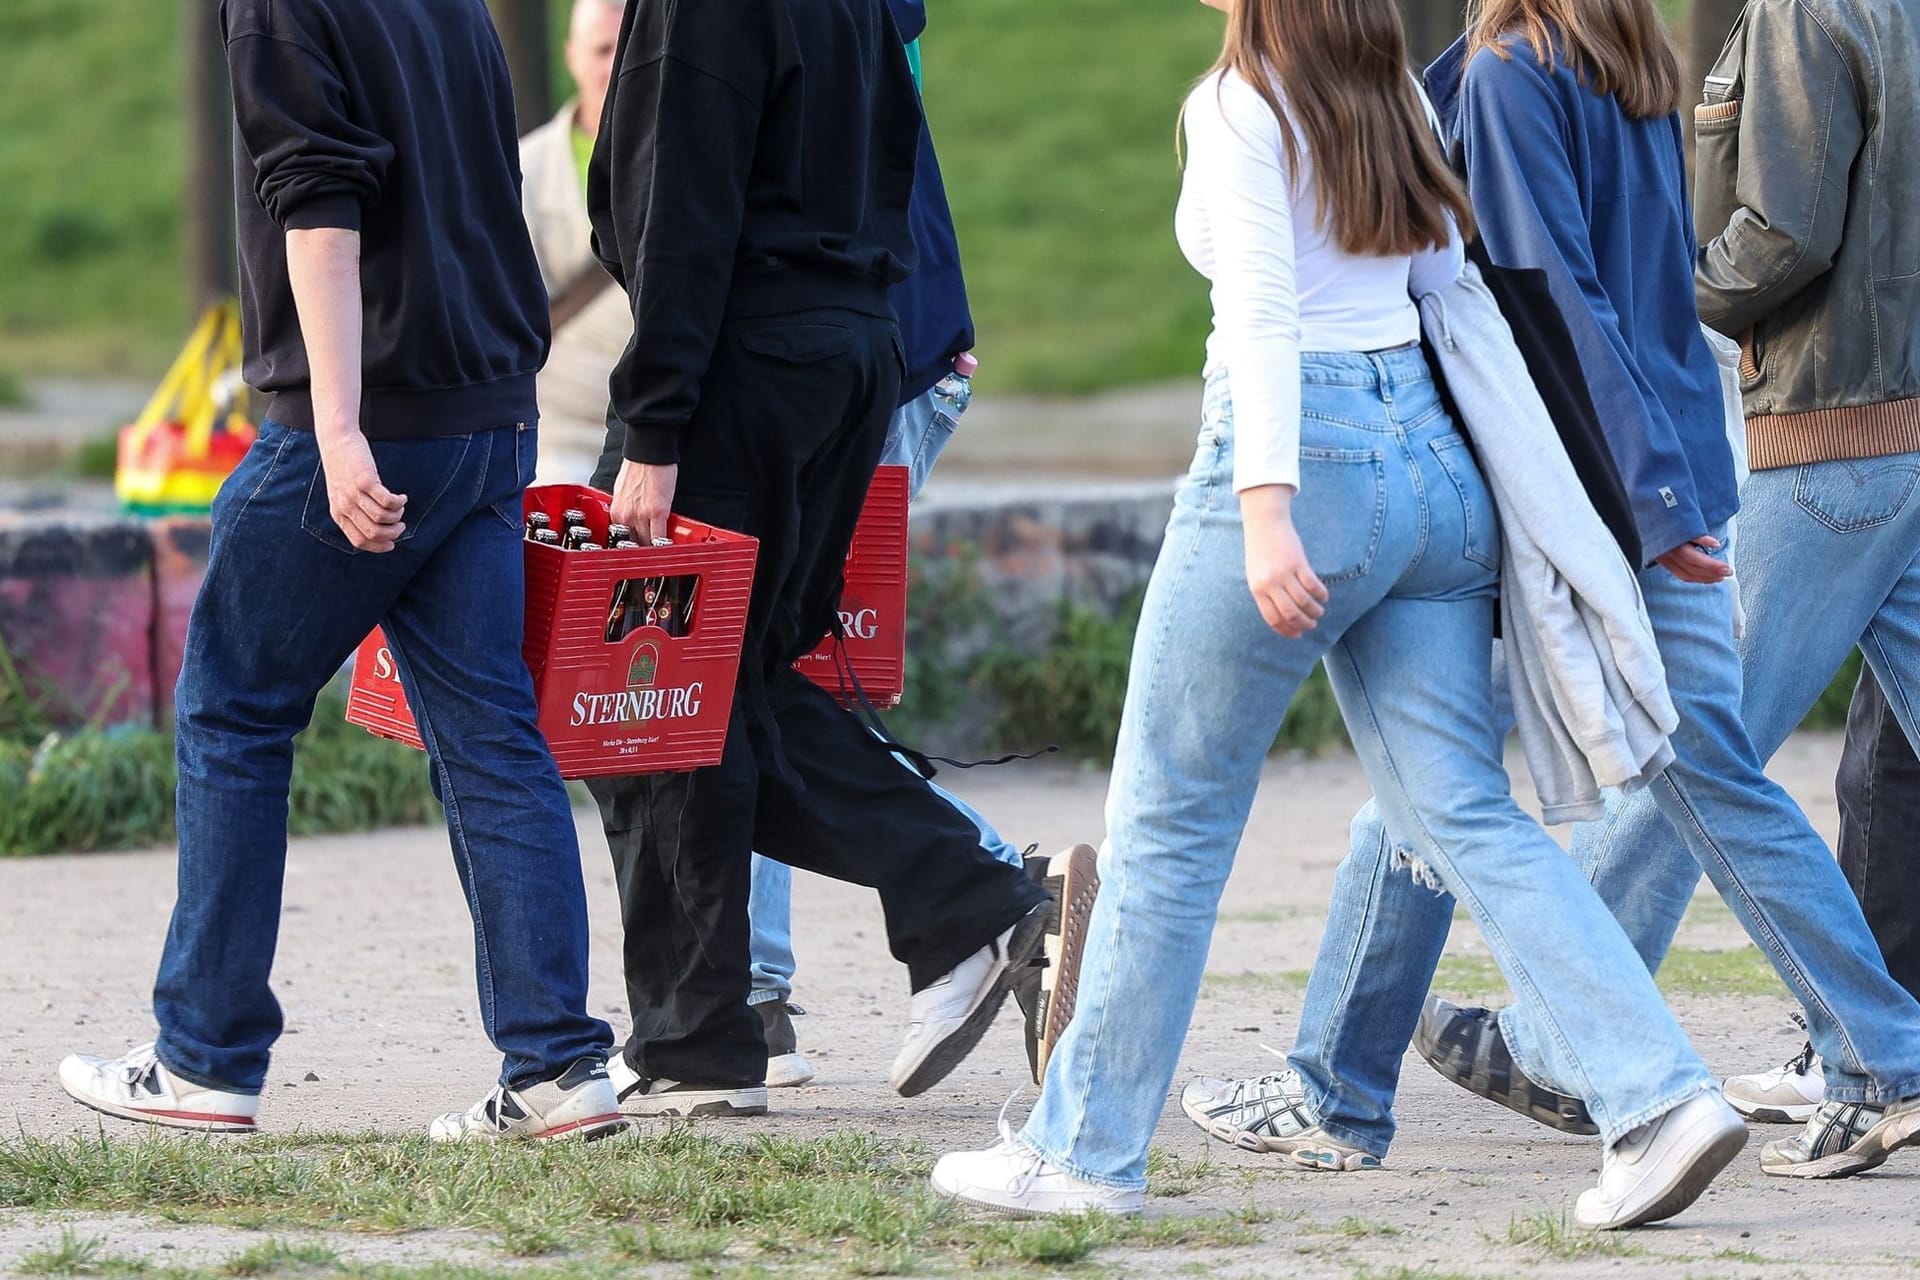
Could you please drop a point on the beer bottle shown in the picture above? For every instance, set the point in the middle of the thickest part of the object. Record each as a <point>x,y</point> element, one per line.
<point>589,546</point>
<point>617,534</point>
<point>545,537</point>
<point>537,522</point>
<point>683,620</point>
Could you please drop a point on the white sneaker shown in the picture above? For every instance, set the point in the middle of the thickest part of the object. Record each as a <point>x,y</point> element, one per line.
<point>580,1104</point>
<point>1662,1167</point>
<point>1789,1094</point>
<point>138,1087</point>
<point>1011,1178</point>
<point>639,1096</point>
<point>949,1017</point>
<point>787,1067</point>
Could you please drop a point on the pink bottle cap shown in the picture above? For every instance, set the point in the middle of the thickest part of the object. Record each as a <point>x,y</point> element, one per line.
<point>965,364</point>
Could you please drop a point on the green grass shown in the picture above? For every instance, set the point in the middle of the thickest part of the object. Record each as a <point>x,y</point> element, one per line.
<point>1687,971</point>
<point>852,1201</point>
<point>1054,123</point>
<point>1553,1235</point>
<point>90,158</point>
<point>13,393</point>
<point>95,788</point>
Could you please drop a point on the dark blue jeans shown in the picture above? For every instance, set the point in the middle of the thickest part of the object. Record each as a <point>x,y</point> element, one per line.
<point>285,601</point>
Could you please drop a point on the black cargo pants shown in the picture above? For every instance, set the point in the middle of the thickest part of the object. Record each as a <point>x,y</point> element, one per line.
<point>793,415</point>
<point>1879,791</point>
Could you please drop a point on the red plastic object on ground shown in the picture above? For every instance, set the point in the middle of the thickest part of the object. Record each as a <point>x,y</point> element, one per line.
<point>873,607</point>
<point>655,698</point>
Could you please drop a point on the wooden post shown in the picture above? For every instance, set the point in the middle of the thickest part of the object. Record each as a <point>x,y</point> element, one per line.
<point>208,231</point>
<point>524,34</point>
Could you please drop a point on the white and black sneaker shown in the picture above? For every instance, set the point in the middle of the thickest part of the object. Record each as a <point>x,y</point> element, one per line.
<point>136,1086</point>
<point>1844,1138</point>
<point>1788,1094</point>
<point>948,1017</point>
<point>1466,1046</point>
<point>580,1104</point>
<point>640,1096</point>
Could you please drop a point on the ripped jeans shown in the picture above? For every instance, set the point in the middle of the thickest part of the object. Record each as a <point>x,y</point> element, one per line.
<point>1397,520</point>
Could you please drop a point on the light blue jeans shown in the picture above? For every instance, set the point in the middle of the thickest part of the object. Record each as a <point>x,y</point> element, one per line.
<point>1398,522</point>
<point>916,437</point>
<point>1826,559</point>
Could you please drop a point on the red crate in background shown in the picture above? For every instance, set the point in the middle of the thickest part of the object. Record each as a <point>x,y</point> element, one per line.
<point>873,608</point>
<point>646,702</point>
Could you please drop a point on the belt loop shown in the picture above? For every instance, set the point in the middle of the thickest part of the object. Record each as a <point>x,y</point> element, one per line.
<point>1383,380</point>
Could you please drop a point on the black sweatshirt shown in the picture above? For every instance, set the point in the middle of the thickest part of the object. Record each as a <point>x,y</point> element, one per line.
<point>755,158</point>
<point>393,118</point>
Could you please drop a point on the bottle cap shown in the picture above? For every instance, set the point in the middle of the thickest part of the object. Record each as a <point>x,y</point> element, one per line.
<point>966,364</point>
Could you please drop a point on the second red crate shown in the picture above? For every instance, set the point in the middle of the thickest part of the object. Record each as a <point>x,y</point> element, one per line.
<point>873,607</point>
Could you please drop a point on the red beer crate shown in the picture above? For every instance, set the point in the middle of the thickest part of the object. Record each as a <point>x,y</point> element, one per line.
<point>648,701</point>
<point>873,608</point>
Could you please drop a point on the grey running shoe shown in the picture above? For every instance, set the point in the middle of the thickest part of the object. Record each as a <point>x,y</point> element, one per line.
<point>1844,1138</point>
<point>1269,1114</point>
<point>1466,1046</point>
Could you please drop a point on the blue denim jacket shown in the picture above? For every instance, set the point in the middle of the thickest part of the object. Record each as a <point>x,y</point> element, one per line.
<point>1564,182</point>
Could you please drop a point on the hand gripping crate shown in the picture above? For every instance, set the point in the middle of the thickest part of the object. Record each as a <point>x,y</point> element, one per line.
<point>873,606</point>
<point>646,701</point>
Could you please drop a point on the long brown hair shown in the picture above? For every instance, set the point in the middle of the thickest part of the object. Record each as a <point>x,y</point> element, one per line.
<point>1617,47</point>
<point>1381,182</point>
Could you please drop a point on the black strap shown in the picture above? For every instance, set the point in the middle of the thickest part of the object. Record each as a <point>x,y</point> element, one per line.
<point>919,761</point>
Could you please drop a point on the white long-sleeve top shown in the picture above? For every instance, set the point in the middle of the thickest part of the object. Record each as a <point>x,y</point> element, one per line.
<point>1281,285</point>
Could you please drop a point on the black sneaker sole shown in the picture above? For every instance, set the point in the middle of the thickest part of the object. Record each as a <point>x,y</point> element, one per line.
<point>1028,940</point>
<point>1460,1052</point>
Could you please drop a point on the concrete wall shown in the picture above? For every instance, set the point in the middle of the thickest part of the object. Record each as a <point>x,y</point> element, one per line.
<point>93,609</point>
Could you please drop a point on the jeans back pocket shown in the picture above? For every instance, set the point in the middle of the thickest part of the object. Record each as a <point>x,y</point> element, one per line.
<point>1482,540</point>
<point>1340,509</point>
<point>1855,495</point>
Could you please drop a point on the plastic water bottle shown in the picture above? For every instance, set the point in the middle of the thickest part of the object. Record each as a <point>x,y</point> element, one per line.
<point>955,391</point>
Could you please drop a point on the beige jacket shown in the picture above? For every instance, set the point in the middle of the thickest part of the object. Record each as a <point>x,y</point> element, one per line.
<point>573,386</point>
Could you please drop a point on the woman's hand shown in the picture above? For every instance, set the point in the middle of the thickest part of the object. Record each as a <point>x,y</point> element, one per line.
<point>1690,562</point>
<point>1290,595</point>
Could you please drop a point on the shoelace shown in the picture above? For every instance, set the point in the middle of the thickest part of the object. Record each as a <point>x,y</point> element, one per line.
<point>1021,1182</point>
<point>138,1065</point>
<point>487,1110</point>
<point>1272,1077</point>
<point>1801,1063</point>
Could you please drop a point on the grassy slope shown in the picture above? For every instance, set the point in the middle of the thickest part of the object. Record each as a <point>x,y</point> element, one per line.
<point>1055,124</point>
<point>90,158</point>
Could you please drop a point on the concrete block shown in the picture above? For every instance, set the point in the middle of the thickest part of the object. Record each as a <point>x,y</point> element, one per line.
<point>179,562</point>
<point>76,617</point>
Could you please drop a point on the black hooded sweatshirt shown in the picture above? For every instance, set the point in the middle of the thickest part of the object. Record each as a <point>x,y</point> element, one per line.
<point>393,118</point>
<point>755,158</point>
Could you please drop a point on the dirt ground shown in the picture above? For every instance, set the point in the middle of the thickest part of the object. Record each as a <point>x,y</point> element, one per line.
<point>375,973</point>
